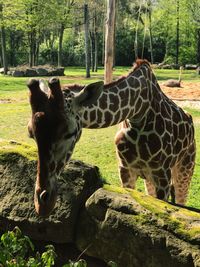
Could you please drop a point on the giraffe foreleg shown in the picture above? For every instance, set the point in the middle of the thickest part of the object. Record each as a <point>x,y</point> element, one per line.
<point>149,187</point>
<point>127,175</point>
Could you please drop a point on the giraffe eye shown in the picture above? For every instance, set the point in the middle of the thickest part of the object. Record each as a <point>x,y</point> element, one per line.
<point>39,116</point>
<point>70,135</point>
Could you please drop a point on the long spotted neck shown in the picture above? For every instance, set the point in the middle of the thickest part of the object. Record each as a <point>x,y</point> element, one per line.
<point>128,98</point>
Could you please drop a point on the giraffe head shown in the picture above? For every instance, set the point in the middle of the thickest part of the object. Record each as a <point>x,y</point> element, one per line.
<point>56,127</point>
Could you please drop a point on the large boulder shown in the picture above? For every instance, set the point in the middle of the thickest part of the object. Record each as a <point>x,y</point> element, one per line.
<point>18,73</point>
<point>18,172</point>
<point>30,72</point>
<point>42,71</point>
<point>109,223</point>
<point>135,230</point>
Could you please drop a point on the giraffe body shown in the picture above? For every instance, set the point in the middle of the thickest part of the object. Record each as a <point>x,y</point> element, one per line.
<point>155,140</point>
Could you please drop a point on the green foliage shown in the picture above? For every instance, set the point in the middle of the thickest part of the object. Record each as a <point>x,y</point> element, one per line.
<point>38,24</point>
<point>15,251</point>
<point>80,263</point>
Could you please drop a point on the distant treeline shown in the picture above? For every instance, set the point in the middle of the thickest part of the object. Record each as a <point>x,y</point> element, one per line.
<point>39,32</point>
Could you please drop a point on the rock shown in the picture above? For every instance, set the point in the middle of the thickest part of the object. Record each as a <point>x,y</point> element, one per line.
<point>132,229</point>
<point>191,67</point>
<point>22,71</point>
<point>1,70</point>
<point>10,72</point>
<point>42,71</point>
<point>56,71</point>
<point>110,223</point>
<point>60,71</point>
<point>18,73</point>
<point>168,66</point>
<point>30,72</point>
<point>18,172</point>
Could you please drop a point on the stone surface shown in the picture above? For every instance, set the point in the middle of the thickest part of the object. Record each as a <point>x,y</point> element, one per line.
<point>17,175</point>
<point>110,223</point>
<point>42,71</point>
<point>18,73</point>
<point>191,67</point>
<point>30,72</point>
<point>56,71</point>
<point>25,71</point>
<point>1,70</point>
<point>118,227</point>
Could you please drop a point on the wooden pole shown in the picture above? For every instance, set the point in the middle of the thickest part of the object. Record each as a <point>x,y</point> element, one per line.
<point>109,41</point>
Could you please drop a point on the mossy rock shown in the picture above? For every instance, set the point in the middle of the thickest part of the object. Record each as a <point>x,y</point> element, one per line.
<point>181,221</point>
<point>133,229</point>
<point>18,172</point>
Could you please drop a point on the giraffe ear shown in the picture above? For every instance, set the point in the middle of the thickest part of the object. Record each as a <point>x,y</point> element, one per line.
<point>89,94</point>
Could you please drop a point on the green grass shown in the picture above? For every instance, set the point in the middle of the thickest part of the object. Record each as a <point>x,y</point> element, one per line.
<point>96,146</point>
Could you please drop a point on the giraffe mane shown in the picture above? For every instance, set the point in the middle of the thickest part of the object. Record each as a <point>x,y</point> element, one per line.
<point>136,65</point>
<point>139,62</point>
<point>72,87</point>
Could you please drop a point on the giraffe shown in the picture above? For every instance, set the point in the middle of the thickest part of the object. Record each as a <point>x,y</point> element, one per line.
<point>155,140</point>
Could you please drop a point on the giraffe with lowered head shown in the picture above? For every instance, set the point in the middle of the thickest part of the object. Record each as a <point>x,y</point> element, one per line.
<point>155,140</point>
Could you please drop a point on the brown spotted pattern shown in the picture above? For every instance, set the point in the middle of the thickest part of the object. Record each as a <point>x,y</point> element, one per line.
<point>155,140</point>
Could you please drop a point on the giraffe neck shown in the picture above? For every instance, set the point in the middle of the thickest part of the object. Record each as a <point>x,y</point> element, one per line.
<point>129,98</point>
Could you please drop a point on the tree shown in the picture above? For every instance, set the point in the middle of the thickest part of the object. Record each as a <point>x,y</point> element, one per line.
<point>109,40</point>
<point>194,9</point>
<point>87,51</point>
<point>177,30</point>
<point>3,40</point>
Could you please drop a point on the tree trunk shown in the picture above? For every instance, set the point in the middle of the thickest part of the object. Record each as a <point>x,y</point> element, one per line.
<point>177,32</point>
<point>37,52</point>
<point>4,54</point>
<point>61,33</point>
<point>96,52</point>
<point>31,49</point>
<point>12,40</point>
<point>87,50</point>
<point>150,32</point>
<point>92,50</point>
<point>109,41</point>
<point>198,46</point>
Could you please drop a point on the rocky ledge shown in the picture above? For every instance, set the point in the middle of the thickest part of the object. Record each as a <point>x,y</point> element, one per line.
<point>106,222</point>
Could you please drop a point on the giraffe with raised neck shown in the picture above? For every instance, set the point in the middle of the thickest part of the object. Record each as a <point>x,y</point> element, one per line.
<point>155,140</point>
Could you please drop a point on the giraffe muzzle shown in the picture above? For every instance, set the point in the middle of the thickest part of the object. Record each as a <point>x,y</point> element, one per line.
<point>45,202</point>
<point>44,197</point>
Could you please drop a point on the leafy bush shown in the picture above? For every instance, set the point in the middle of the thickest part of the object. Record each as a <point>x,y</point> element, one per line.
<point>17,250</point>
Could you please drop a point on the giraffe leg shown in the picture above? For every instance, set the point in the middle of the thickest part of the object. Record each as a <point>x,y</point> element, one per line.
<point>182,175</point>
<point>149,188</point>
<point>127,177</point>
<point>161,179</point>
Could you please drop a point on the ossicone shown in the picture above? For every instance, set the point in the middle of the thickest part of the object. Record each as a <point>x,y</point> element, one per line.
<point>56,92</point>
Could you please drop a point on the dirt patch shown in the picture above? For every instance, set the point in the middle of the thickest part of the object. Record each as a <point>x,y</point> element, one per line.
<point>5,101</point>
<point>188,91</point>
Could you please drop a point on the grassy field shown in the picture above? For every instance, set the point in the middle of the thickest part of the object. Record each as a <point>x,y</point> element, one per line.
<point>96,146</point>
